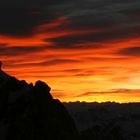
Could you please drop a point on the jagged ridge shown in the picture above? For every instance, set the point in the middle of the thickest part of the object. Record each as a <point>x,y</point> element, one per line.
<point>30,113</point>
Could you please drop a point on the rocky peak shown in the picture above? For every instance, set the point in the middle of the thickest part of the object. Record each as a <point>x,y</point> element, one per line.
<point>39,85</point>
<point>3,75</point>
<point>31,113</point>
<point>41,88</point>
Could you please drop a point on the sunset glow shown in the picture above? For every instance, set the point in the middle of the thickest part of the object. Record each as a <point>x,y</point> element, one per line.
<point>78,58</point>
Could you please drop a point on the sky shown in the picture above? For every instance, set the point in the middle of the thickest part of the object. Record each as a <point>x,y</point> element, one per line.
<point>85,50</point>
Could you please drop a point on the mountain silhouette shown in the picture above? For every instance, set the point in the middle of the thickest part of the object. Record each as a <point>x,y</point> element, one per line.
<point>29,112</point>
<point>106,121</point>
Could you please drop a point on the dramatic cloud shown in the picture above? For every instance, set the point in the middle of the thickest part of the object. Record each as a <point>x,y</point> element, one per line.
<point>113,91</point>
<point>14,51</point>
<point>134,51</point>
<point>20,18</point>
<point>76,46</point>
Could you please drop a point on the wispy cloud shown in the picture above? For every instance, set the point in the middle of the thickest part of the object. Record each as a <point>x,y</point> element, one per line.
<point>76,45</point>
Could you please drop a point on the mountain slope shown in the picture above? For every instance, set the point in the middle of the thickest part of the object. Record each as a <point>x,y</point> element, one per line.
<point>29,112</point>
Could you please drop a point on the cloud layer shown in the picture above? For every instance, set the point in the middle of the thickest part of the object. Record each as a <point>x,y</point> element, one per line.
<point>87,45</point>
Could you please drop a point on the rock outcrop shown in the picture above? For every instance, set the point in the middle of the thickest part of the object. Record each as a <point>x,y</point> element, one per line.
<point>29,112</point>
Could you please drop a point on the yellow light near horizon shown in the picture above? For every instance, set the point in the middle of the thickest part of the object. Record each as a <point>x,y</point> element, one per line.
<point>86,66</point>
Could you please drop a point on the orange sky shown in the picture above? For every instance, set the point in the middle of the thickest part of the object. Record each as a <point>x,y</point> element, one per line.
<point>79,62</point>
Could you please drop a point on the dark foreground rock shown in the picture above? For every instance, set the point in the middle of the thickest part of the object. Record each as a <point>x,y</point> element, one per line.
<point>29,112</point>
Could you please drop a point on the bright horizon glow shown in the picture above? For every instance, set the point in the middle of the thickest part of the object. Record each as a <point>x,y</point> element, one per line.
<point>82,53</point>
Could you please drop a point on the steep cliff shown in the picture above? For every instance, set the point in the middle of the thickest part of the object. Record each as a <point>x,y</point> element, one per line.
<point>29,112</point>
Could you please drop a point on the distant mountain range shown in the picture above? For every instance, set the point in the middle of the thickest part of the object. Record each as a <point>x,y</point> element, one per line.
<point>106,120</point>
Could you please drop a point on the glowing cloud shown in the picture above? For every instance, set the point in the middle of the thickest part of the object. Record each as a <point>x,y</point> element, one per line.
<point>82,52</point>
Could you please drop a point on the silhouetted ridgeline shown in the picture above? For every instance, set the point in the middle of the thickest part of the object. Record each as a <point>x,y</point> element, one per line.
<point>29,112</point>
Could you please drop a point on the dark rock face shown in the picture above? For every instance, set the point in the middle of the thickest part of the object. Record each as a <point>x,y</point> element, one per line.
<point>29,112</point>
